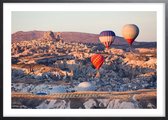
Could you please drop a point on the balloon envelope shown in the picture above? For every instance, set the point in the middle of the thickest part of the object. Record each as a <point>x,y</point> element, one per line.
<point>130,32</point>
<point>97,60</point>
<point>85,86</point>
<point>107,38</point>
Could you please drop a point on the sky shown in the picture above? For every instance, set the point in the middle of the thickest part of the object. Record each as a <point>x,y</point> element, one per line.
<point>86,21</point>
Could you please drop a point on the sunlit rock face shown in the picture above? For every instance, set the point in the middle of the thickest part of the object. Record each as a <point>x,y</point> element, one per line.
<point>49,61</point>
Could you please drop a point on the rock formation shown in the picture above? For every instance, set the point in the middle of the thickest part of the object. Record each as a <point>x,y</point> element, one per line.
<point>49,36</point>
<point>68,64</point>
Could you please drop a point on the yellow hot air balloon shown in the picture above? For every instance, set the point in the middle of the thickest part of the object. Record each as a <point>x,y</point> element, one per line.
<point>130,32</point>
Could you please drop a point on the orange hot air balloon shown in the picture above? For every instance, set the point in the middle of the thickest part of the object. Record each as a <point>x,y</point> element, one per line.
<point>130,32</point>
<point>97,60</point>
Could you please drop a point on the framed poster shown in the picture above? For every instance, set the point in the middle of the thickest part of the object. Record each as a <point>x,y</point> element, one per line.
<point>84,59</point>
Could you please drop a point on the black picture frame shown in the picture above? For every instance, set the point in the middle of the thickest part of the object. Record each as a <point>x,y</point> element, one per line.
<point>85,1</point>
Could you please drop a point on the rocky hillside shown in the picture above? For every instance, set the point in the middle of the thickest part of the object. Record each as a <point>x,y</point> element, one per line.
<point>75,37</point>
<point>20,35</point>
<point>45,61</point>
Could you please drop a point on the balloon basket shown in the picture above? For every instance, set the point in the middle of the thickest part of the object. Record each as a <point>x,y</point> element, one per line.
<point>97,74</point>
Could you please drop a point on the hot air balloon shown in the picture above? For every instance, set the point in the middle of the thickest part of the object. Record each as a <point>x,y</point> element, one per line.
<point>97,60</point>
<point>107,38</point>
<point>85,86</point>
<point>130,32</point>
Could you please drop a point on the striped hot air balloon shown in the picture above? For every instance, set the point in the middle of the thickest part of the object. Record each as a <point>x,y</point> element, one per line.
<point>130,32</point>
<point>107,38</point>
<point>97,60</point>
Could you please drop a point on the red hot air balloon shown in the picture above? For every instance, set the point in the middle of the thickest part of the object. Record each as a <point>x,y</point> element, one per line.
<point>130,32</point>
<point>97,60</point>
<point>107,38</point>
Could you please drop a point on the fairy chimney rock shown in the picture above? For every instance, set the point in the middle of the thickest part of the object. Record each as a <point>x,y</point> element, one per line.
<point>59,37</point>
<point>49,35</point>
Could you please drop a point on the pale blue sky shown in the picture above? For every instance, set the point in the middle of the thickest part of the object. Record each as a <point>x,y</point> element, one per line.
<point>88,22</point>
